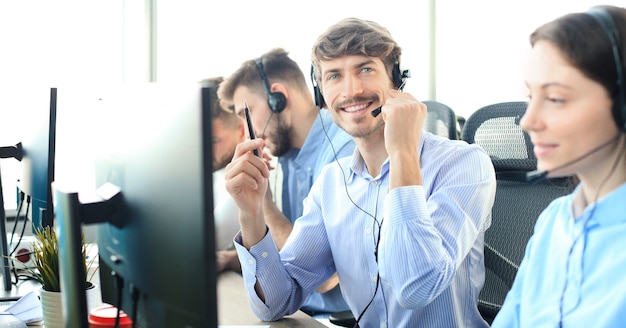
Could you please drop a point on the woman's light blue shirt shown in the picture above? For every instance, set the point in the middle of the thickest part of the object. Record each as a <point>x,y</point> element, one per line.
<point>590,281</point>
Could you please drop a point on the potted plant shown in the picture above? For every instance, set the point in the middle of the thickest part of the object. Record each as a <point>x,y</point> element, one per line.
<point>45,257</point>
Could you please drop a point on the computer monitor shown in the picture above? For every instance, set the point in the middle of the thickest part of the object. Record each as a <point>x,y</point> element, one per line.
<point>156,248</point>
<point>33,110</point>
<point>38,133</point>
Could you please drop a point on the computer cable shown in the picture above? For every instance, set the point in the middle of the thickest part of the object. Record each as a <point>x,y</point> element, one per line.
<point>134,292</point>
<point>20,205</point>
<point>17,216</point>
<point>119,283</point>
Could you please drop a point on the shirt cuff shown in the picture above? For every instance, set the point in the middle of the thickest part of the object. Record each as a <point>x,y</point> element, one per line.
<point>255,262</point>
<point>259,257</point>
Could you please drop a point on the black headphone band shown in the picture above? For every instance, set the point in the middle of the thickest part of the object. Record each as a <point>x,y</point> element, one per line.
<point>603,18</point>
<point>276,100</point>
<point>259,66</point>
<point>317,94</point>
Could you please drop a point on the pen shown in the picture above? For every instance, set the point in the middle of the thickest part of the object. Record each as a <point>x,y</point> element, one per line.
<point>246,112</point>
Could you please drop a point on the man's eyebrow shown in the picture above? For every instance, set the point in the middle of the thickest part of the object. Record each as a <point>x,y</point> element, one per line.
<point>364,63</point>
<point>330,71</point>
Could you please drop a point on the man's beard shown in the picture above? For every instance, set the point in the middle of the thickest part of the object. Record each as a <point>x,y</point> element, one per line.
<point>363,133</point>
<point>220,163</point>
<point>280,137</point>
<point>358,132</point>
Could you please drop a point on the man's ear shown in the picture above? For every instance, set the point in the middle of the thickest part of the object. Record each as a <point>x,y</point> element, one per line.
<point>279,87</point>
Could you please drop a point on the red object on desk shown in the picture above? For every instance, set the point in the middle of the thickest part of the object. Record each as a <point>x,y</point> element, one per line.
<point>104,317</point>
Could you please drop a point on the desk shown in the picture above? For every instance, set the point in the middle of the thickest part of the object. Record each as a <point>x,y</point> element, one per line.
<point>233,307</point>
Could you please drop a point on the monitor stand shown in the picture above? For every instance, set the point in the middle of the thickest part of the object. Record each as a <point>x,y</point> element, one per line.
<point>4,247</point>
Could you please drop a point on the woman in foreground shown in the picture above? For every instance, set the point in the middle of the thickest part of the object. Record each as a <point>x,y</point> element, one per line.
<point>572,274</point>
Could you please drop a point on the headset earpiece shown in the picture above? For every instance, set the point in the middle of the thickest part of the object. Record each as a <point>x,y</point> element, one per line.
<point>603,18</point>
<point>399,77</point>
<point>317,94</point>
<point>275,100</point>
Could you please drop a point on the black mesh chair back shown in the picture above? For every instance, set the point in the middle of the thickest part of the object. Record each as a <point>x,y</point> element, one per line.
<point>441,120</point>
<point>518,203</point>
<point>496,128</point>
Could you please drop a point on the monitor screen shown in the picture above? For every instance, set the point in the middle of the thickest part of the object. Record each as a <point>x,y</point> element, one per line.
<point>37,132</point>
<point>32,112</point>
<point>153,142</point>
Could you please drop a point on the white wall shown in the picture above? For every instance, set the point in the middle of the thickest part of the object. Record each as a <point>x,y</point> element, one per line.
<point>215,38</point>
<point>60,41</point>
<point>50,44</point>
<point>480,44</point>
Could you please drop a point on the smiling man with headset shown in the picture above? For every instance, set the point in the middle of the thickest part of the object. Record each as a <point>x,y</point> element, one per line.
<point>304,139</point>
<point>401,221</point>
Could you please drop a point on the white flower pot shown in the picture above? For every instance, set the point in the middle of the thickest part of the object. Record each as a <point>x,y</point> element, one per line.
<point>52,306</point>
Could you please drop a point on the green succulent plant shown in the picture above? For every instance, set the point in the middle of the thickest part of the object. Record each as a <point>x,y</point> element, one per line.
<point>45,256</point>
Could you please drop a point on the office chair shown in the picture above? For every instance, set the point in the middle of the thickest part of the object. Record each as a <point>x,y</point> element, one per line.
<point>461,120</point>
<point>517,204</point>
<point>441,120</point>
<point>342,319</point>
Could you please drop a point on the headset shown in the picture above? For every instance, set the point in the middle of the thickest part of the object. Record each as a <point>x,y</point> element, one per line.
<point>317,94</point>
<point>276,100</point>
<point>603,18</point>
<point>398,77</point>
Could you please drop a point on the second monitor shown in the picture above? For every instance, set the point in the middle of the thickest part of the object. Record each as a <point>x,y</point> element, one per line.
<point>157,262</point>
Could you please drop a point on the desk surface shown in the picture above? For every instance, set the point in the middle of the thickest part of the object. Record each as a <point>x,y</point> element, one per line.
<point>234,309</point>
<point>22,288</point>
